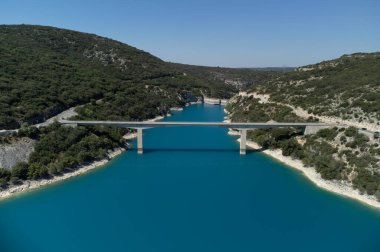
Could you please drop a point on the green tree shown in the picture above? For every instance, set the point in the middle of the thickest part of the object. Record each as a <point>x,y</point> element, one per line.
<point>20,171</point>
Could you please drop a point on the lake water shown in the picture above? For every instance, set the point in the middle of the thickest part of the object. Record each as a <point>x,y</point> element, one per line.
<point>189,191</point>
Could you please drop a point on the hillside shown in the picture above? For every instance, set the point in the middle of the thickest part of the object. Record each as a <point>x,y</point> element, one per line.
<point>346,88</point>
<point>45,70</point>
<point>240,78</point>
<point>344,92</point>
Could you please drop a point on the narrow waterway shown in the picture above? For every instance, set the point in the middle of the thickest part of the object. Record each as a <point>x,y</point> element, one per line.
<point>189,191</point>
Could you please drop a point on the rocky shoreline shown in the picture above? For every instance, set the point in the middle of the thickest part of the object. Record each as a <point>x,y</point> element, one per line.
<point>34,184</point>
<point>29,185</point>
<point>339,187</point>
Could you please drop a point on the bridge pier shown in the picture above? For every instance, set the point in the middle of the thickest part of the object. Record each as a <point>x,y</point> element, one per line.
<point>139,141</point>
<point>243,141</point>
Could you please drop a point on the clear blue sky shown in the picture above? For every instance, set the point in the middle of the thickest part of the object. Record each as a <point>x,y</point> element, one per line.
<point>237,33</point>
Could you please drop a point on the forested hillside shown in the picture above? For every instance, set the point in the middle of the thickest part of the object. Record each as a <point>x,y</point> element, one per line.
<point>45,70</point>
<point>347,87</point>
<point>240,78</point>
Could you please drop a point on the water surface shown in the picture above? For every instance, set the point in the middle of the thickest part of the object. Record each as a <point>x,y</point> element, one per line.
<point>189,191</point>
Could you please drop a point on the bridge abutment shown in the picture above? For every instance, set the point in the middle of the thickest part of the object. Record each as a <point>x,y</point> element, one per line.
<point>311,130</point>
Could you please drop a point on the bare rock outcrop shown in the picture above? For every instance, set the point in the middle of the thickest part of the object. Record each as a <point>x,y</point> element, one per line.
<point>16,151</point>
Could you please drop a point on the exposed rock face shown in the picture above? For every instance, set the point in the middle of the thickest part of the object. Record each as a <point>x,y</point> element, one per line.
<point>12,153</point>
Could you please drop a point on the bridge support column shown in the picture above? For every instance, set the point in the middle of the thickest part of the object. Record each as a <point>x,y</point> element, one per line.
<point>139,141</point>
<point>243,140</point>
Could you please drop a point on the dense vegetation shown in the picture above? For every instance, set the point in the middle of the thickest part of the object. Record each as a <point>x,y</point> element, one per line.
<point>60,149</point>
<point>347,87</point>
<point>45,70</point>
<point>238,78</point>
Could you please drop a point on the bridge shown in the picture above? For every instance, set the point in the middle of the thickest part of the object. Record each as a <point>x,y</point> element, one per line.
<point>308,127</point>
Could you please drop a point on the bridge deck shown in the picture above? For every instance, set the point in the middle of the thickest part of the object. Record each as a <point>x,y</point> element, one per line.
<point>134,124</point>
<point>243,127</point>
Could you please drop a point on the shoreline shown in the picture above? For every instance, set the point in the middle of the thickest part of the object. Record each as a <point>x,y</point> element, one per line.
<point>342,188</point>
<point>29,185</point>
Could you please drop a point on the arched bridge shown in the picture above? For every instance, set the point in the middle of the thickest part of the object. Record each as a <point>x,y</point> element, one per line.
<point>309,128</point>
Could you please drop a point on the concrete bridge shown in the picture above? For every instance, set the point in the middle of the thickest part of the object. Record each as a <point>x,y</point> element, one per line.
<point>309,128</point>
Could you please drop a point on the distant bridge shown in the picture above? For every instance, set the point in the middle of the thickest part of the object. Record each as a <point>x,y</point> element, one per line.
<point>309,128</point>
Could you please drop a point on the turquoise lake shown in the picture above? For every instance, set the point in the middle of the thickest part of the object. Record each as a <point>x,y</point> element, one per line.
<point>189,191</point>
